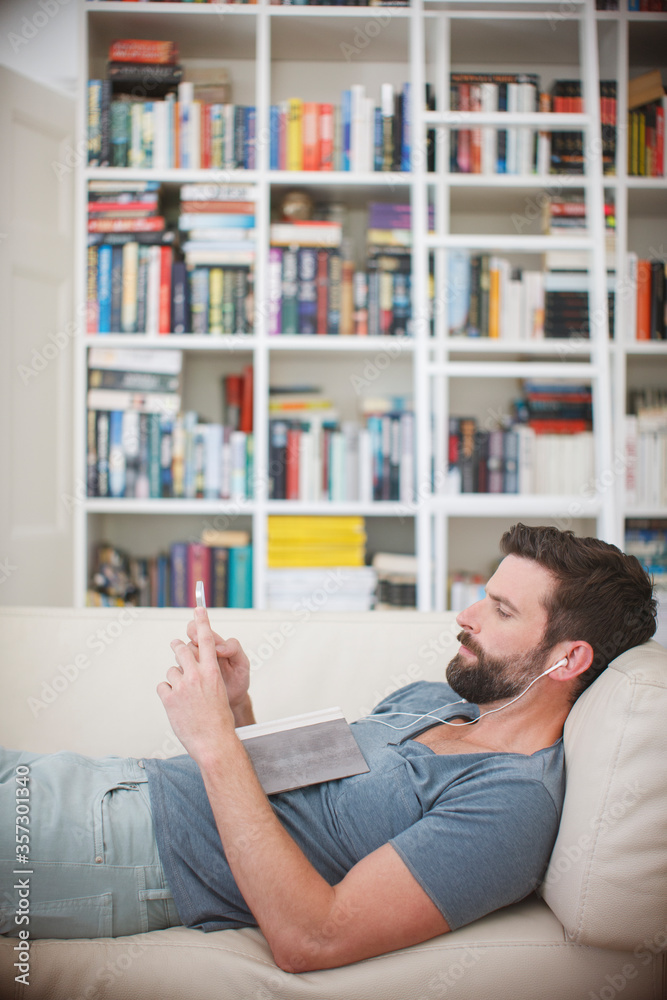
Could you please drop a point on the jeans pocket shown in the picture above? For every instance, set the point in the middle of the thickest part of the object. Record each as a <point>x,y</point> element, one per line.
<point>82,917</point>
<point>111,822</point>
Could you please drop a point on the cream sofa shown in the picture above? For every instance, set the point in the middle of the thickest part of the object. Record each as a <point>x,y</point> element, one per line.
<point>85,680</point>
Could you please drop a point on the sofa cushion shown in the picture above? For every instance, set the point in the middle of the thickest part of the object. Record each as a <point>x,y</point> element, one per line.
<point>607,878</point>
<point>509,955</point>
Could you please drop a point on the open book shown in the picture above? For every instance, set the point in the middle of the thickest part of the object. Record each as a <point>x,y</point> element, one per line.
<point>302,750</point>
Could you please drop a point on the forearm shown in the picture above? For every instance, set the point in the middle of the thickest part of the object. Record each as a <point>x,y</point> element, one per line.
<point>293,905</point>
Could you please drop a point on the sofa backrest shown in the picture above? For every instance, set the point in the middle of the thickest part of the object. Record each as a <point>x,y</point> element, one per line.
<point>607,878</point>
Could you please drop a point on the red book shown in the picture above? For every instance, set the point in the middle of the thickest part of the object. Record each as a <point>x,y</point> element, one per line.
<point>226,207</point>
<point>643,300</point>
<point>233,395</point>
<point>292,463</point>
<point>142,50</point>
<point>155,224</point>
<point>659,160</point>
<point>326,136</point>
<point>198,568</point>
<point>245,423</point>
<point>310,131</point>
<point>322,284</point>
<point>558,425</point>
<point>95,207</point>
<point>205,137</point>
<point>164,314</point>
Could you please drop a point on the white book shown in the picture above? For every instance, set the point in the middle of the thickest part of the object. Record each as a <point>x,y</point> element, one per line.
<point>302,750</point>
<point>631,446</point>
<point>351,445</point>
<point>337,466</point>
<point>489,102</point>
<point>153,290</point>
<point>629,297</point>
<point>212,464</point>
<point>161,111</point>
<point>512,148</point>
<point>526,462</point>
<point>365,466</point>
<point>532,323</point>
<point>237,486</point>
<point>143,402</point>
<point>130,268</point>
<point>168,362</point>
<point>358,136</point>
<point>306,477</point>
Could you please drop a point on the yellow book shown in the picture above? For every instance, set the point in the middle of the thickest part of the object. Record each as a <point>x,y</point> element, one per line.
<point>494,300</point>
<point>215,282</point>
<point>298,524</point>
<point>310,559</point>
<point>294,134</point>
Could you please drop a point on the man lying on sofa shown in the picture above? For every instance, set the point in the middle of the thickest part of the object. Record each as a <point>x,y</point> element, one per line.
<point>456,817</point>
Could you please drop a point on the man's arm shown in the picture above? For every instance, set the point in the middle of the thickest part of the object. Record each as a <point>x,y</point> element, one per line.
<point>379,906</point>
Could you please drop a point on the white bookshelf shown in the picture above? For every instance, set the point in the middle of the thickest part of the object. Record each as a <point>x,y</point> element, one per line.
<point>275,52</point>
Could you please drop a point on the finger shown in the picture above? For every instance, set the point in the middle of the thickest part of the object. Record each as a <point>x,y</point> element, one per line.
<point>174,675</point>
<point>185,658</point>
<point>191,629</point>
<point>205,638</point>
<point>164,690</point>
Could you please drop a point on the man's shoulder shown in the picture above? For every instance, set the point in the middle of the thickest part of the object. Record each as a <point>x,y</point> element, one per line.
<point>420,696</point>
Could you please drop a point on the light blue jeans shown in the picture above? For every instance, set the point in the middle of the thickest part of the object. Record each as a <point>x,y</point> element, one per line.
<point>85,828</point>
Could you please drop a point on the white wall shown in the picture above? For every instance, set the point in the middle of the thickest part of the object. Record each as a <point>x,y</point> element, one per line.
<point>39,38</point>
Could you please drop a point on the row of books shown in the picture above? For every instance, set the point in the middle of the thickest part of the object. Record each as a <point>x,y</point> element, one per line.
<point>223,560</point>
<point>396,581</point>
<point>319,292</point>
<point>354,135</point>
<point>645,290</point>
<point>488,297</point>
<point>463,589</point>
<point>312,459</point>
<point>646,140</point>
<point>517,460</point>
<point>646,449</point>
<point>646,538</point>
<point>139,456</point>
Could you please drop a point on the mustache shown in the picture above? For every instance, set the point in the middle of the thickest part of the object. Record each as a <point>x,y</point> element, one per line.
<point>467,640</point>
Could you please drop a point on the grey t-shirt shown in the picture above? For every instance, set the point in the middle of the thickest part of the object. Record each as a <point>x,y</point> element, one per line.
<point>475,829</point>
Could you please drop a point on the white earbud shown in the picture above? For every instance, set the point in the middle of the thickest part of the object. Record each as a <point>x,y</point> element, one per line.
<point>561,663</point>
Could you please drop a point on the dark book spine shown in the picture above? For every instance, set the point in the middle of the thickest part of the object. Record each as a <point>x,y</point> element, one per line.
<point>120,133</point>
<point>657,300</point>
<point>307,271</point>
<point>199,300</point>
<point>219,573</point>
<point>116,287</point>
<point>179,297</point>
<point>334,280</point>
<point>106,378</point>
<point>239,136</point>
<point>105,124</point>
<point>290,291</point>
<point>277,459</point>
<point>102,428</point>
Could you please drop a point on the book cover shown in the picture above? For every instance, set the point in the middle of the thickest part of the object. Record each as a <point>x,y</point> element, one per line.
<point>302,750</point>
<point>240,577</point>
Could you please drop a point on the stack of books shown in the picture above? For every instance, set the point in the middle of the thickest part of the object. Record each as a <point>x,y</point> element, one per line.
<point>306,278</point>
<point>488,150</point>
<point>317,563</point>
<point>130,259</point>
<point>222,559</point>
<point>645,288</point>
<point>646,449</point>
<point>566,216</point>
<point>647,105</point>
<point>146,114</point>
<point>396,581</point>
<point>465,588</point>
<point>567,153</point>
<point>547,448</point>
<point>139,443</point>
<point>217,223</point>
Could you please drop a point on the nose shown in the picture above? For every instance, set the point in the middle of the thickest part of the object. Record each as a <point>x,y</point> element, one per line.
<point>469,617</point>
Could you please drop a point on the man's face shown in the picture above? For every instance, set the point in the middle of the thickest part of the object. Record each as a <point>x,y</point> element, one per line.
<point>501,642</point>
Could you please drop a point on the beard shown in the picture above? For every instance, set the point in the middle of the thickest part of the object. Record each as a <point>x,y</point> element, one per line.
<point>492,678</point>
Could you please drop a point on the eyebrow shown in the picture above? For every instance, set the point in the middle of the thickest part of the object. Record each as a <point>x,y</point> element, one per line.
<point>503,600</point>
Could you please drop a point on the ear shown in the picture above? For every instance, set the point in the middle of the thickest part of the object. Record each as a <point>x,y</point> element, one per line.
<point>579,658</point>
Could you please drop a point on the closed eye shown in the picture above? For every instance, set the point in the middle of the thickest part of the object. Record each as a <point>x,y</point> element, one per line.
<point>503,614</point>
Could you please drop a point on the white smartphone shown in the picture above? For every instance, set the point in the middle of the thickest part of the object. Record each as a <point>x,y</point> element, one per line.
<point>200,594</point>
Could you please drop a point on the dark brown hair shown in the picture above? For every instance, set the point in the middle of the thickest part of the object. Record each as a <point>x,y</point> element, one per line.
<point>603,596</point>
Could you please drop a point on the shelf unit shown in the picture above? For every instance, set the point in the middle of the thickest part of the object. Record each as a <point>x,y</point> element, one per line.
<point>279,51</point>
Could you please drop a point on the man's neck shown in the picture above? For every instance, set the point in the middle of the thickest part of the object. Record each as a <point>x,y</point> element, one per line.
<point>512,729</point>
